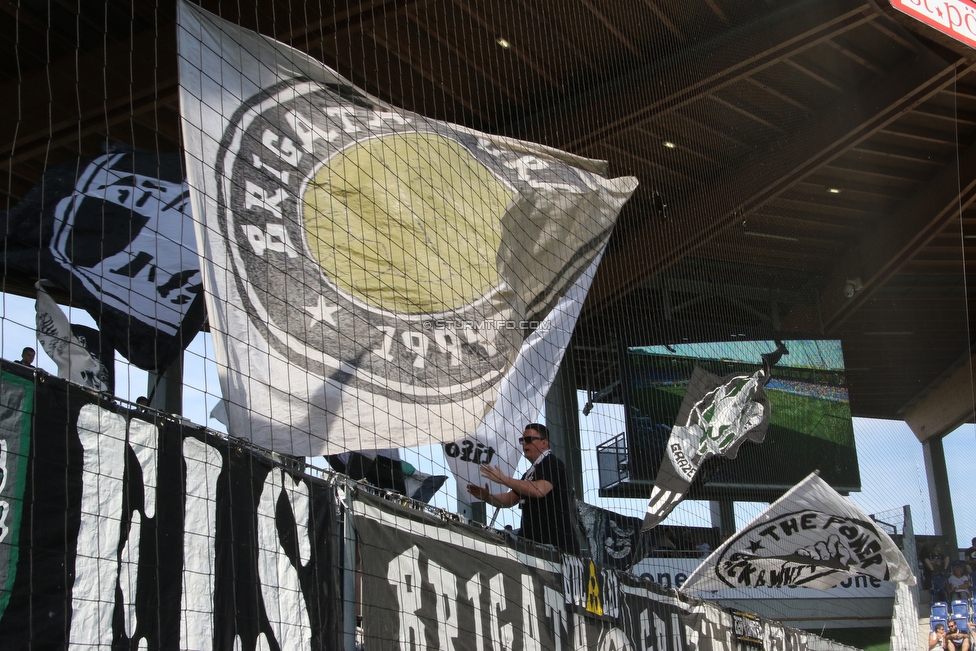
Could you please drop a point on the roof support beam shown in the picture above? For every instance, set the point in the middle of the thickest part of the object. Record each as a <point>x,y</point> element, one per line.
<point>763,174</point>
<point>879,256</point>
<point>945,407</point>
<point>625,102</point>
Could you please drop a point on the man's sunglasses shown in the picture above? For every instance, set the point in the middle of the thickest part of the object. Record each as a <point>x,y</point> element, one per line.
<point>529,439</point>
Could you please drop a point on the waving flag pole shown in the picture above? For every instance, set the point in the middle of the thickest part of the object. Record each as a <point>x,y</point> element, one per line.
<point>716,417</point>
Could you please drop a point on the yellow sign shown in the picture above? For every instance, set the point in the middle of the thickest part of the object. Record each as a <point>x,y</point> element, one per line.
<point>593,602</point>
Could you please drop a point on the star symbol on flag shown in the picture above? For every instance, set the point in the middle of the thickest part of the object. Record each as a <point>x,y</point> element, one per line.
<point>755,546</point>
<point>322,312</point>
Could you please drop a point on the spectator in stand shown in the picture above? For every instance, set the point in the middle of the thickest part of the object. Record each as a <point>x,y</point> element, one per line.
<point>970,557</point>
<point>958,586</point>
<point>923,554</point>
<point>937,563</point>
<point>27,356</point>
<point>956,640</point>
<point>937,638</point>
<point>543,493</point>
<point>703,548</point>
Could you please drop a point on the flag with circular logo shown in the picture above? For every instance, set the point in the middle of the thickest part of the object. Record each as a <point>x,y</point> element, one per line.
<point>371,274</point>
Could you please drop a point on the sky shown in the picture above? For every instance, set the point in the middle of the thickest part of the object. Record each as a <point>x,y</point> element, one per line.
<point>889,456</point>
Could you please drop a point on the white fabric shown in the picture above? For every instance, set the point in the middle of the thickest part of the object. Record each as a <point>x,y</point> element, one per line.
<point>811,537</point>
<point>316,353</point>
<point>522,392</point>
<point>74,361</point>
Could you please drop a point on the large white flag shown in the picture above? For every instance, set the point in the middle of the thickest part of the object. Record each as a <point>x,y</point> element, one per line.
<point>811,537</point>
<point>371,274</point>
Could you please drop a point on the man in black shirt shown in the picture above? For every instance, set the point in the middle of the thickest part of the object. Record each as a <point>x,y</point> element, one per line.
<point>543,493</point>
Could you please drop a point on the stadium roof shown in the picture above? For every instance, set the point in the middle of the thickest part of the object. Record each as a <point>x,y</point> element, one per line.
<point>790,152</point>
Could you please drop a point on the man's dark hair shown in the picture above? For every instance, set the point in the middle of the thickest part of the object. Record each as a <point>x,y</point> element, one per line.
<point>540,428</point>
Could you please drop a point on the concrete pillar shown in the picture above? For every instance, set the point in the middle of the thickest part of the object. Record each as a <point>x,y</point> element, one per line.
<point>165,391</point>
<point>938,478</point>
<point>723,516</point>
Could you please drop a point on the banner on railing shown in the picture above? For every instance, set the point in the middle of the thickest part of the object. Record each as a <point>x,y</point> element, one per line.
<point>121,531</point>
<point>431,583</point>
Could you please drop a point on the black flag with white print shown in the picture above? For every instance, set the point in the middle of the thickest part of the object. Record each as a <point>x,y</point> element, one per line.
<point>115,233</point>
<point>132,533</point>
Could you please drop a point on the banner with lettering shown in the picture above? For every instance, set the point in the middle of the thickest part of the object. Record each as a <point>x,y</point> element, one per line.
<point>811,537</point>
<point>433,583</point>
<point>613,538</point>
<point>374,276</point>
<point>122,532</point>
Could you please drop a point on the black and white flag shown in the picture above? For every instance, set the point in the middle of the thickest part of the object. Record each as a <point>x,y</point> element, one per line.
<point>56,336</point>
<point>614,539</point>
<point>811,537</point>
<point>100,348</point>
<point>115,234</point>
<point>717,416</point>
<point>373,276</point>
<point>385,469</point>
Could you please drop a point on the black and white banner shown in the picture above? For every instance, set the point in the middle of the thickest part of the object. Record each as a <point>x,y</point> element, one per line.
<point>717,416</point>
<point>390,271</point>
<point>385,469</point>
<point>811,537</point>
<point>121,532</point>
<point>614,539</point>
<point>429,583</point>
<point>115,234</point>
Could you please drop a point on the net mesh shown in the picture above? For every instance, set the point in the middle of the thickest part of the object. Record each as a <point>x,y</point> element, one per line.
<point>450,220</point>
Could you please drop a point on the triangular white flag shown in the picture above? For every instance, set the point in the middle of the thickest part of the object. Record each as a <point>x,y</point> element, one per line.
<point>811,537</point>
<point>74,361</point>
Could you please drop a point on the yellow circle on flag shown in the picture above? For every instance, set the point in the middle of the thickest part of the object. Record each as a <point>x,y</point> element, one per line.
<point>409,223</point>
